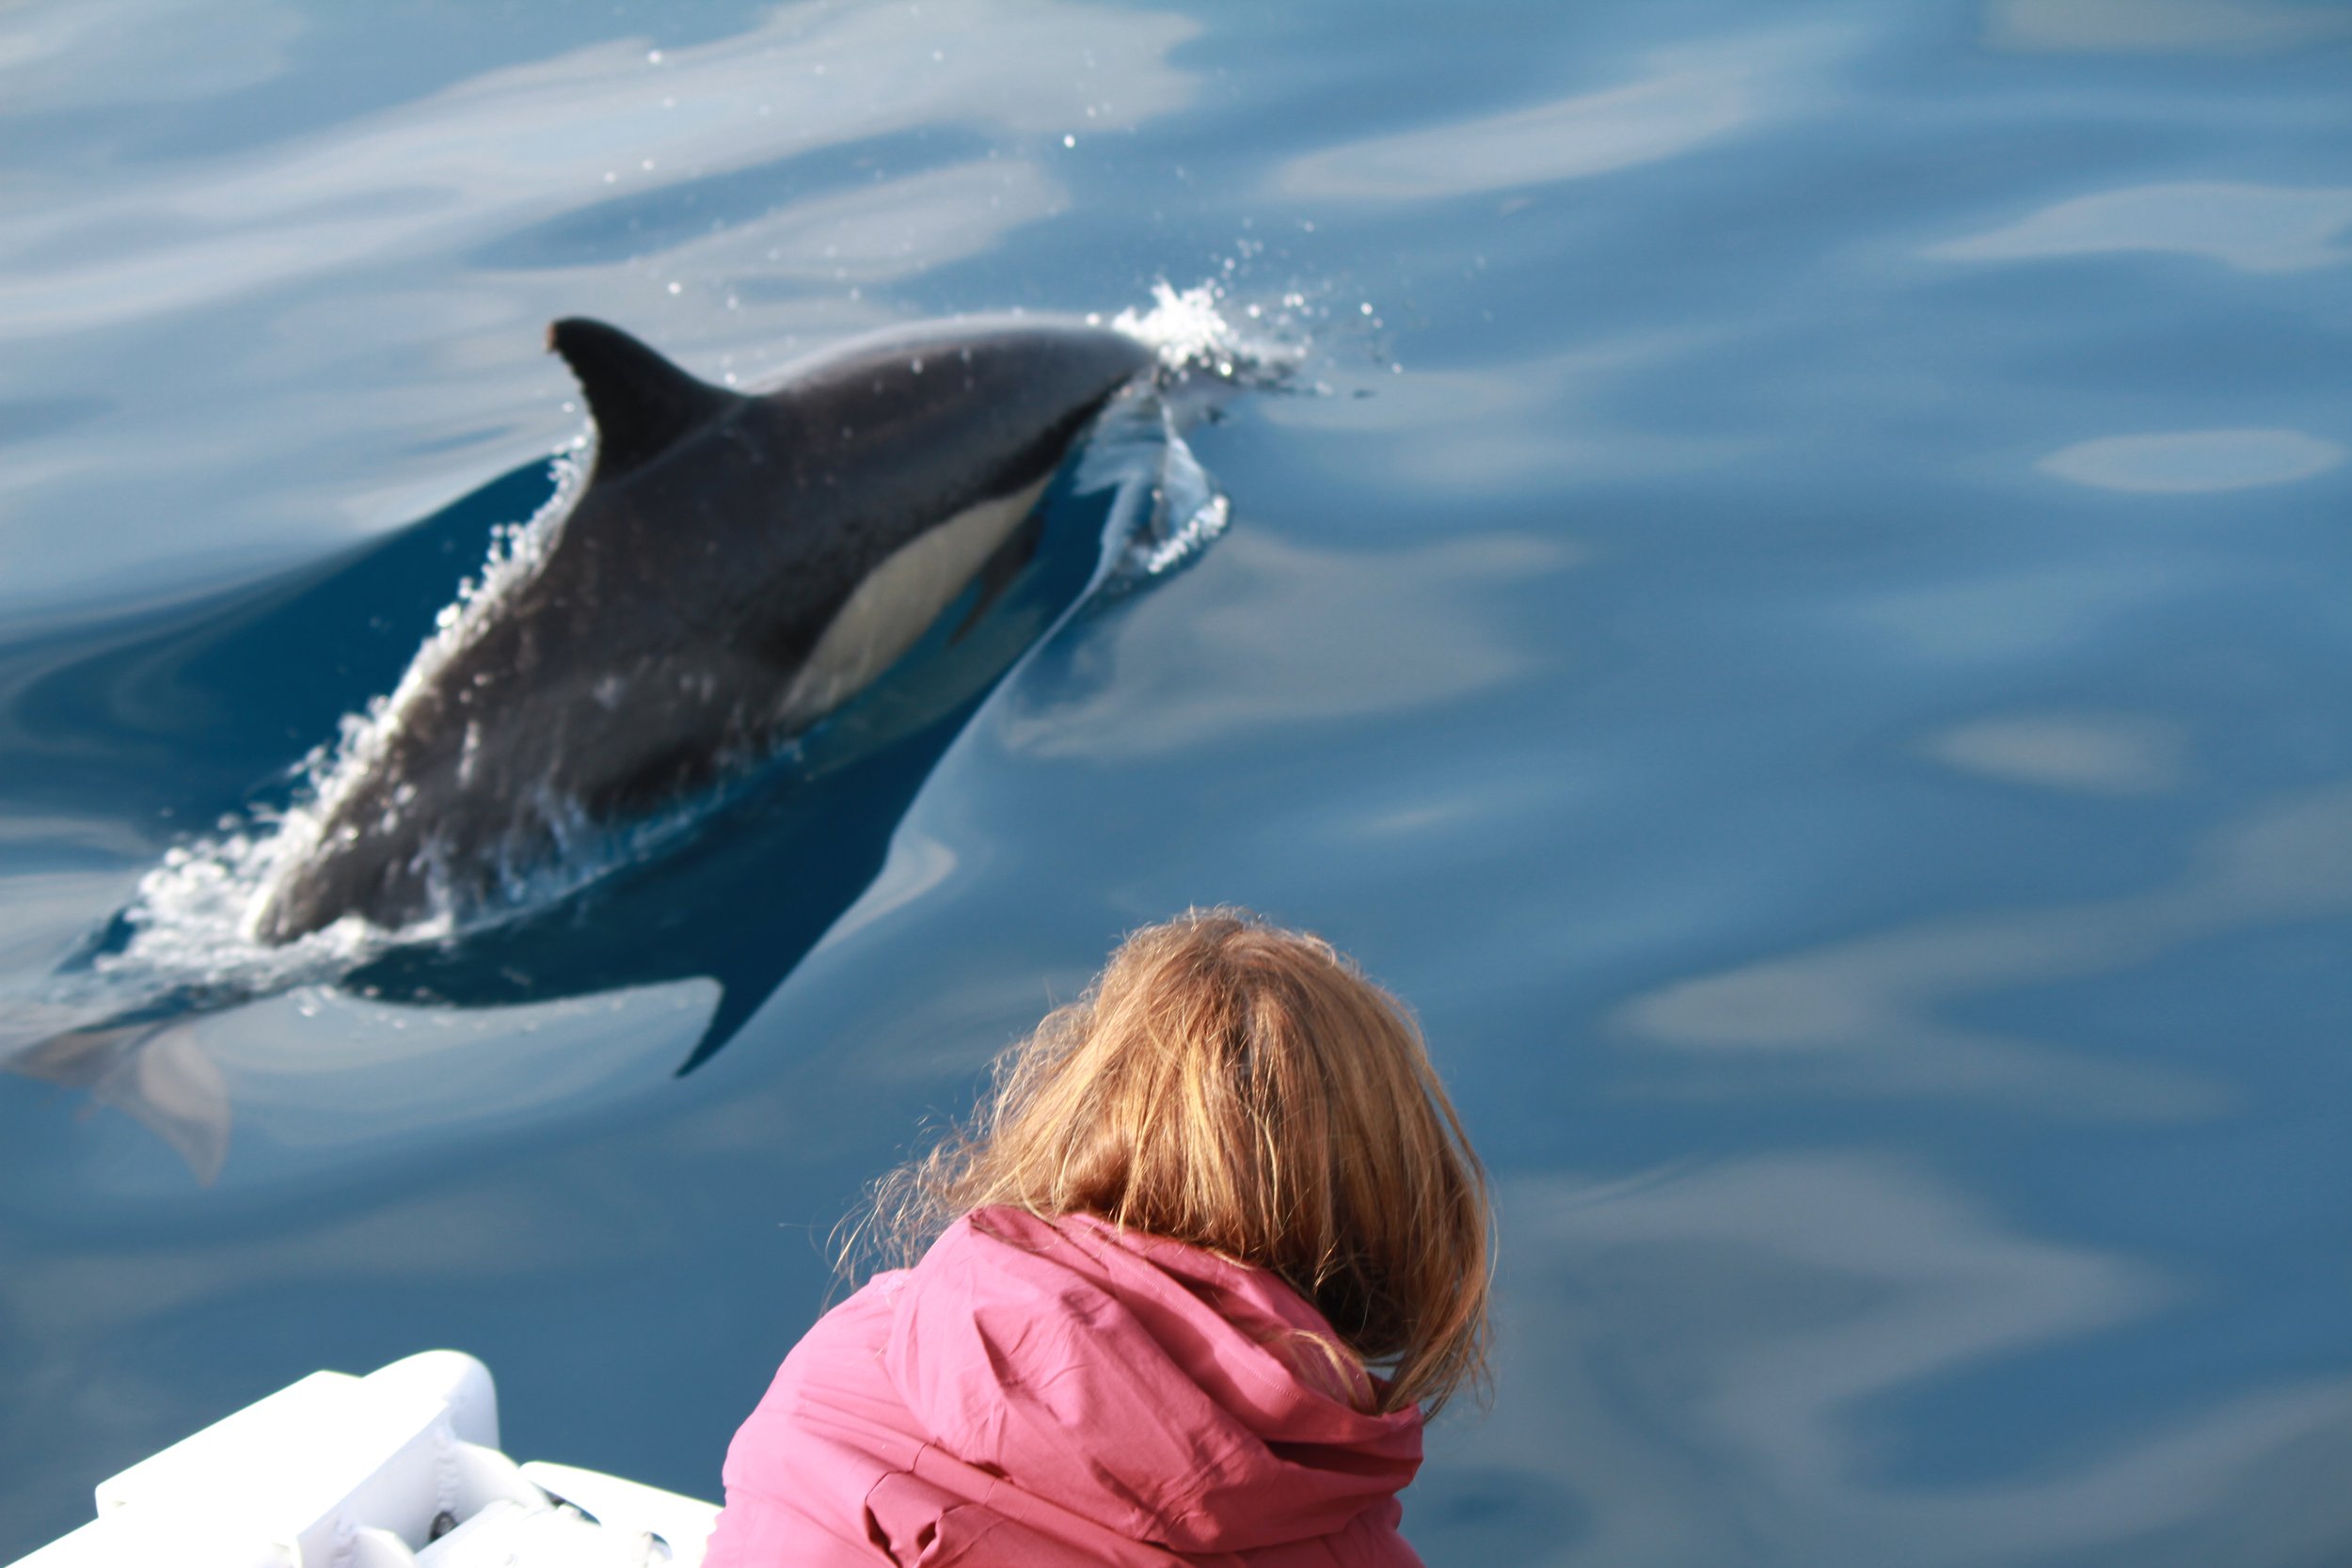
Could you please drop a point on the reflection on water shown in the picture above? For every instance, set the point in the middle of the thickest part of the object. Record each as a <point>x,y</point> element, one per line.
<point>119,53</point>
<point>2224,27</point>
<point>1877,1014</point>
<point>1276,636</point>
<point>500,150</point>
<point>2256,229</point>
<point>2035,612</point>
<point>210,296</point>
<point>1687,101</point>
<point>2099,753</point>
<point>2191,462</point>
<point>1499,428</point>
<point>1797,614</point>
<point>1749,1329</point>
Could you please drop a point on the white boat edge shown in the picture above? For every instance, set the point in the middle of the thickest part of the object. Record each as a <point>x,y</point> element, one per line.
<point>397,1469</point>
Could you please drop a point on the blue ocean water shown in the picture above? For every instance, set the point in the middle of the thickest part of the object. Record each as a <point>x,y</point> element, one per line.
<point>1797,610</point>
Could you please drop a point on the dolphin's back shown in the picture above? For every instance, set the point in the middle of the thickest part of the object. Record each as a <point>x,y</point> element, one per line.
<point>736,568</point>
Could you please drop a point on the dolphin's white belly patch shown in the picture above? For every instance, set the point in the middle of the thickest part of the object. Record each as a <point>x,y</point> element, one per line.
<point>888,612</point>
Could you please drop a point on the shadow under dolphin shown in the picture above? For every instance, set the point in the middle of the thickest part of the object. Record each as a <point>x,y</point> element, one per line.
<point>734,876</point>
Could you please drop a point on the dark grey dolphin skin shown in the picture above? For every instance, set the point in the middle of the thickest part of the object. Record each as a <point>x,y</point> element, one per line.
<point>736,568</point>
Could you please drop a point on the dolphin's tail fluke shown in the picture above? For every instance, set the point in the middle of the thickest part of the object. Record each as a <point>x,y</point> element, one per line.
<point>153,1072</point>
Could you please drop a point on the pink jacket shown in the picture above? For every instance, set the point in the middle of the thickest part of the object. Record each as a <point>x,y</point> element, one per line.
<point>1054,1395</point>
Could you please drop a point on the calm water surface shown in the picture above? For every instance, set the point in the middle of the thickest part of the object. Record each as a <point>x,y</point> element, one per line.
<point>1806,628</point>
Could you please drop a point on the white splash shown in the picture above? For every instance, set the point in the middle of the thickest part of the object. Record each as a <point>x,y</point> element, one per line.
<point>194,916</point>
<point>1188,511</point>
<point>1189,331</point>
<point>1165,507</point>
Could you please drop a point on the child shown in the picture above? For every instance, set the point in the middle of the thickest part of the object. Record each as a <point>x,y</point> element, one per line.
<point>1213,1244</point>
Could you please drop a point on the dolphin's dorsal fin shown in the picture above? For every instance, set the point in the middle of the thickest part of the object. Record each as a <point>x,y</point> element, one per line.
<point>640,402</point>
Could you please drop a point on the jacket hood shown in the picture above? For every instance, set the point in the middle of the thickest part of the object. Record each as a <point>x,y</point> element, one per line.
<point>1164,1392</point>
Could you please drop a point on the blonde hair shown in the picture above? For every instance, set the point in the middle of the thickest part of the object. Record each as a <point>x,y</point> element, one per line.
<point>1247,1090</point>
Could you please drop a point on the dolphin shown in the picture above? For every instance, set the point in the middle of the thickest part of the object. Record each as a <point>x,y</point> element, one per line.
<point>736,567</point>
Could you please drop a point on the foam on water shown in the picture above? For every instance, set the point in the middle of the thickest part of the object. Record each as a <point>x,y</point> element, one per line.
<point>195,914</point>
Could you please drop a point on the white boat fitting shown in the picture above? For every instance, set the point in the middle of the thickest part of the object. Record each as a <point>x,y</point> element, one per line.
<point>397,1469</point>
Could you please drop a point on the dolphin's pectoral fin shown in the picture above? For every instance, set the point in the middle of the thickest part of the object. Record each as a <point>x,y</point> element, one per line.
<point>737,1003</point>
<point>998,572</point>
<point>640,402</point>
